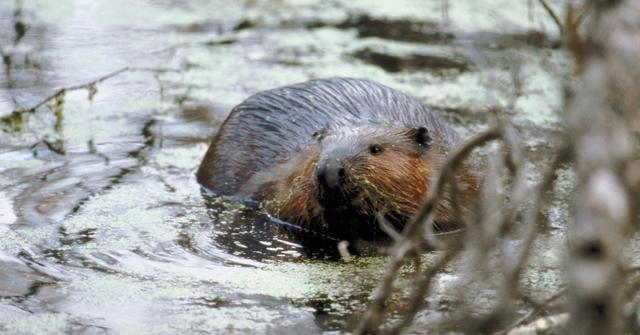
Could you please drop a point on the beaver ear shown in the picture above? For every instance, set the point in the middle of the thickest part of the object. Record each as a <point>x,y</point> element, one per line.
<point>421,136</point>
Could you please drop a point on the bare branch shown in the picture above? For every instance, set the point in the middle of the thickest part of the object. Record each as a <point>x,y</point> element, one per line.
<point>387,228</point>
<point>553,15</point>
<point>423,284</point>
<point>413,231</point>
<point>534,312</point>
<point>91,85</point>
<point>542,325</point>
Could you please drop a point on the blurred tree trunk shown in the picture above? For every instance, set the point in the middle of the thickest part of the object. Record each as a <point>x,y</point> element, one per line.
<point>599,122</point>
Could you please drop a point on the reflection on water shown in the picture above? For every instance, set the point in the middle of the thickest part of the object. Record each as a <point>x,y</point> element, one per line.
<point>103,228</point>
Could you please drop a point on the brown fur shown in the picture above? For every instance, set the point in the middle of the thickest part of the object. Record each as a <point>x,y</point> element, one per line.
<point>293,198</point>
<point>336,182</point>
<point>393,183</point>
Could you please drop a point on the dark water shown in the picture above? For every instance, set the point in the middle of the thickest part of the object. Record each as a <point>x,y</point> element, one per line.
<point>103,228</point>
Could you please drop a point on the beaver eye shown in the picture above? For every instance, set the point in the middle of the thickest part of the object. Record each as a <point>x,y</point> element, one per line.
<point>375,149</point>
<point>318,134</point>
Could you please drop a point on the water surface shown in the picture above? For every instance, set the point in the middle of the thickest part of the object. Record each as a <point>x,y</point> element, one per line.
<point>103,228</point>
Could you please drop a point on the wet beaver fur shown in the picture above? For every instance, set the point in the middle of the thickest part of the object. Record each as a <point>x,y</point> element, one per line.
<point>333,155</point>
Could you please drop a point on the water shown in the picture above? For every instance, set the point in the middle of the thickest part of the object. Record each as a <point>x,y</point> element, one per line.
<point>103,228</point>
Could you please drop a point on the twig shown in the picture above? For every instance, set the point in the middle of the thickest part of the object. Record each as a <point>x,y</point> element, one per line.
<point>513,269</point>
<point>412,233</point>
<point>343,250</point>
<point>223,40</point>
<point>497,220</point>
<point>423,284</point>
<point>514,160</point>
<point>90,85</point>
<point>514,157</point>
<point>553,16</point>
<point>534,312</point>
<point>543,325</point>
<point>387,228</point>
<point>533,214</point>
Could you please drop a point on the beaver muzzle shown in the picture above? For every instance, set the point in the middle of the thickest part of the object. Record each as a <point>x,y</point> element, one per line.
<point>335,195</point>
<point>331,174</point>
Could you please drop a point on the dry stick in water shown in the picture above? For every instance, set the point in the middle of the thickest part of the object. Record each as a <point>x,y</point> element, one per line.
<point>91,85</point>
<point>513,268</point>
<point>530,222</point>
<point>534,312</point>
<point>514,159</point>
<point>532,218</point>
<point>413,232</point>
<point>422,285</point>
<point>387,228</point>
<point>503,221</point>
<point>553,16</point>
<point>545,325</point>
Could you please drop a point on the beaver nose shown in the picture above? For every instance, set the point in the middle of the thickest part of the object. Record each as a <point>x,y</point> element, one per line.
<point>330,173</point>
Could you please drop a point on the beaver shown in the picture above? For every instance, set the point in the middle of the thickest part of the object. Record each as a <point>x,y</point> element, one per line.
<point>336,155</point>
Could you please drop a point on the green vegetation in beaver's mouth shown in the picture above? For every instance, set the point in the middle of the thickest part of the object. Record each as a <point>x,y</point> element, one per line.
<point>380,200</point>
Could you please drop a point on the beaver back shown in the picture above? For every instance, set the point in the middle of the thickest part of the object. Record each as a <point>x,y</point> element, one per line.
<point>270,126</point>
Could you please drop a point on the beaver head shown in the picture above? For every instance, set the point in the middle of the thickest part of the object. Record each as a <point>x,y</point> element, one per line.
<point>370,170</point>
<point>375,159</point>
<point>356,174</point>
